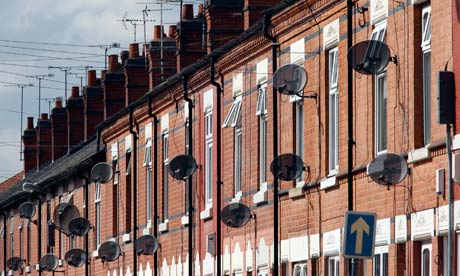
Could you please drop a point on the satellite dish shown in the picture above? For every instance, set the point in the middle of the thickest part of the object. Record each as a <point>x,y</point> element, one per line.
<point>49,262</point>
<point>235,215</point>
<point>290,79</point>
<point>369,57</point>
<point>287,166</point>
<point>388,169</point>
<point>63,214</point>
<point>109,251</point>
<point>79,226</point>
<point>58,212</point>
<point>75,257</point>
<point>146,245</point>
<point>102,172</point>
<point>182,166</point>
<point>27,210</point>
<point>14,263</point>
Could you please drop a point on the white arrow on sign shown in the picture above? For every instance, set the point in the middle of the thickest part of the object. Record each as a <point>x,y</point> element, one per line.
<point>360,226</point>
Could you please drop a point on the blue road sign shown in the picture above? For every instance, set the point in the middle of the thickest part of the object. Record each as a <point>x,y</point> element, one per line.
<point>359,238</point>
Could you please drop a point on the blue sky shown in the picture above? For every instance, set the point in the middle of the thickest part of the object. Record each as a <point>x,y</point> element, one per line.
<point>38,34</point>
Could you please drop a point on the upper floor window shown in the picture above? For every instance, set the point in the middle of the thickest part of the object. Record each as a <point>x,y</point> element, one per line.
<point>333,109</point>
<point>426,61</point>
<point>165,139</point>
<point>381,113</point>
<point>300,270</point>
<point>261,112</point>
<point>208,158</point>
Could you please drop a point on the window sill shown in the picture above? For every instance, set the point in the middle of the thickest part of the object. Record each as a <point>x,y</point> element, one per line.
<point>95,254</point>
<point>418,155</point>
<point>237,198</point>
<point>184,220</point>
<point>328,182</point>
<point>146,230</point>
<point>262,195</point>
<point>206,214</point>
<point>27,269</point>
<point>164,226</point>
<point>127,238</point>
<point>296,191</point>
<point>456,142</point>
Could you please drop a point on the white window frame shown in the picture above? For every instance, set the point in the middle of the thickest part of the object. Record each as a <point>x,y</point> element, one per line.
<point>426,28</point>
<point>12,236</point>
<point>261,111</point>
<point>208,158</point>
<point>426,246</point>
<point>426,67</point>
<point>148,153</point>
<point>379,31</point>
<point>333,153</point>
<point>165,139</point>
<point>116,173</point>
<point>97,201</point>
<point>381,124</point>
<point>234,114</point>
<point>148,186</point>
<point>237,83</point>
<point>380,252</point>
<point>300,269</point>
<point>299,136</point>
<point>238,155</point>
<point>333,266</point>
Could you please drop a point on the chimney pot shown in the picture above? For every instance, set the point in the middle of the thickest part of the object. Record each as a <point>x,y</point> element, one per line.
<point>187,11</point>
<point>123,56</point>
<point>44,116</point>
<point>172,31</point>
<point>133,50</point>
<point>91,78</point>
<point>58,103</point>
<point>30,122</point>
<point>75,89</point>
<point>200,10</point>
<point>157,32</point>
<point>145,47</point>
<point>113,63</point>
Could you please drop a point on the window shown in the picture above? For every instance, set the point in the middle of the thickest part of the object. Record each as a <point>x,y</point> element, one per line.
<point>381,261</point>
<point>12,236</point>
<point>21,239</point>
<point>300,270</point>
<point>127,192</point>
<point>333,265</point>
<point>261,111</point>
<point>299,134</point>
<point>148,179</point>
<point>333,111</point>
<point>426,60</point>
<point>97,201</point>
<point>379,31</point>
<point>116,172</point>
<point>29,242</point>
<point>238,161</point>
<point>148,153</point>
<point>165,175</point>
<point>381,113</point>
<point>234,115</point>
<point>426,259</point>
<point>208,158</point>
<point>116,178</point>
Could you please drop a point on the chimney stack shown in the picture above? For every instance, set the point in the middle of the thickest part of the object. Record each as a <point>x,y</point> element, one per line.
<point>189,38</point>
<point>44,144</point>
<point>254,10</point>
<point>136,75</point>
<point>158,71</point>
<point>224,21</point>
<point>29,139</point>
<point>113,63</point>
<point>58,130</point>
<point>75,119</point>
<point>113,88</point>
<point>93,99</point>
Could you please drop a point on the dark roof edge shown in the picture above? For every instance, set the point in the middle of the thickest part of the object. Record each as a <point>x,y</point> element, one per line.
<point>195,66</point>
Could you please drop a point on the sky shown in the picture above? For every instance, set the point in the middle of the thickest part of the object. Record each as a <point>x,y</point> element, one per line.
<point>38,34</point>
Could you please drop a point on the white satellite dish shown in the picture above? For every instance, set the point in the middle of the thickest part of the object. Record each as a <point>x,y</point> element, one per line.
<point>290,79</point>
<point>102,172</point>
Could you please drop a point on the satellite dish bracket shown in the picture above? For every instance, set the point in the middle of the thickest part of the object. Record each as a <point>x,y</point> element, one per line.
<point>394,59</point>
<point>313,95</point>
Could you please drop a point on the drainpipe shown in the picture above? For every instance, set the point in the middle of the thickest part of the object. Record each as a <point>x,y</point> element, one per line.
<point>155,181</point>
<point>275,46</point>
<point>4,241</point>
<point>86,191</point>
<point>219,165</point>
<point>135,138</point>
<point>98,140</point>
<point>39,232</point>
<point>189,180</point>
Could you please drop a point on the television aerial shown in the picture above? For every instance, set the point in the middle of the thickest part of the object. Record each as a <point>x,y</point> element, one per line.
<point>290,79</point>
<point>369,57</point>
<point>146,245</point>
<point>27,210</point>
<point>102,172</point>
<point>235,215</point>
<point>109,251</point>
<point>79,226</point>
<point>287,167</point>
<point>388,169</point>
<point>14,263</point>
<point>182,166</point>
<point>49,262</point>
<point>75,257</point>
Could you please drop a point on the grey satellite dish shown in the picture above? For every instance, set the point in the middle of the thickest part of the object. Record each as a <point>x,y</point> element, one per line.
<point>75,257</point>
<point>287,167</point>
<point>235,215</point>
<point>79,226</point>
<point>109,251</point>
<point>102,172</point>
<point>49,262</point>
<point>14,263</point>
<point>63,214</point>
<point>388,169</point>
<point>290,79</point>
<point>27,210</point>
<point>369,57</point>
<point>58,213</point>
<point>182,166</point>
<point>146,245</point>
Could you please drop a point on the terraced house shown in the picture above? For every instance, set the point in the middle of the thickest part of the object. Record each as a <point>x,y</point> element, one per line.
<point>211,94</point>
